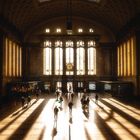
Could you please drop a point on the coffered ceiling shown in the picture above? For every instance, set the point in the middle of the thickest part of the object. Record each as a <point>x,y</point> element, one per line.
<point>26,14</point>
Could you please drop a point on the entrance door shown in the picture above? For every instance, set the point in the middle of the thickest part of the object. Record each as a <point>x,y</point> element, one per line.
<point>59,85</point>
<point>69,86</point>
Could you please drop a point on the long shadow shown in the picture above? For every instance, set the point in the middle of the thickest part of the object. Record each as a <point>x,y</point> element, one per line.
<point>130,101</point>
<point>54,130</point>
<point>42,133</point>
<point>27,124</point>
<point>111,117</point>
<point>87,134</point>
<point>123,114</point>
<point>124,107</point>
<point>86,113</point>
<point>8,109</point>
<point>7,125</point>
<point>69,132</point>
<point>107,132</point>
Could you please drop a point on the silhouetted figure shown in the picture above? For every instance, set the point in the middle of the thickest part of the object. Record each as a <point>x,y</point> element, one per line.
<point>57,92</point>
<point>96,98</point>
<point>55,112</point>
<point>60,101</point>
<point>22,101</point>
<point>85,104</point>
<point>70,104</point>
<point>29,100</point>
<point>72,95</point>
<point>85,91</point>
<point>37,95</point>
<point>70,89</point>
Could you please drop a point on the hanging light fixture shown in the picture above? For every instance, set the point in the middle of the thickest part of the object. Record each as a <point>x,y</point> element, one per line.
<point>69,17</point>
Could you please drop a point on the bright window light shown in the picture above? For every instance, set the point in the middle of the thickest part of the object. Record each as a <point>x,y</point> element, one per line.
<point>58,30</point>
<point>47,30</point>
<point>80,30</point>
<point>91,30</point>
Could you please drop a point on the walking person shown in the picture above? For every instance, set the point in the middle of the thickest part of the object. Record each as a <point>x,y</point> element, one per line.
<point>72,95</point>
<point>70,104</point>
<point>96,98</point>
<point>60,101</point>
<point>57,92</point>
<point>29,100</point>
<point>22,101</point>
<point>55,112</point>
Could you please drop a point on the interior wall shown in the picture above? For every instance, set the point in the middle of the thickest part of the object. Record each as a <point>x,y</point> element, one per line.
<point>35,61</point>
<point>33,34</point>
<point>105,65</point>
<point>4,79</point>
<point>1,60</point>
<point>104,61</point>
<point>135,79</point>
<point>138,62</point>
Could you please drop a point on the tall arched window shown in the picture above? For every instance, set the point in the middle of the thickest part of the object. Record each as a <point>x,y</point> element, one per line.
<point>80,58</point>
<point>58,58</point>
<point>91,58</point>
<point>47,58</point>
<point>69,58</point>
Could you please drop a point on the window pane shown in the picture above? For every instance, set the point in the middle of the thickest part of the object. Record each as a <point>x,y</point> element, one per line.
<point>58,58</point>
<point>47,58</point>
<point>80,58</point>
<point>69,58</point>
<point>91,58</point>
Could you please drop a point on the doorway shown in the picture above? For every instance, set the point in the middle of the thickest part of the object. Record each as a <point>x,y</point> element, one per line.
<point>70,86</point>
<point>59,85</point>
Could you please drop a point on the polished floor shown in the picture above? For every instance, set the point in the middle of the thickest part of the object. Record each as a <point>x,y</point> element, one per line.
<point>109,119</point>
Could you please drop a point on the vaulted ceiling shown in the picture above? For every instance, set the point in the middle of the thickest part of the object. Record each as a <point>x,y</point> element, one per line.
<point>26,14</point>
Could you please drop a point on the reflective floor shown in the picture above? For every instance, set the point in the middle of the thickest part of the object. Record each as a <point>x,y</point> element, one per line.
<point>109,119</point>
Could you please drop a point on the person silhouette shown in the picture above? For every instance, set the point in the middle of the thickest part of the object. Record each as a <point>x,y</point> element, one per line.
<point>96,98</point>
<point>55,112</point>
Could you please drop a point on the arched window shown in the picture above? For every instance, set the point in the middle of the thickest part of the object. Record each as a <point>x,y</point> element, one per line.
<point>69,58</point>
<point>91,58</point>
<point>47,58</point>
<point>80,58</point>
<point>58,58</point>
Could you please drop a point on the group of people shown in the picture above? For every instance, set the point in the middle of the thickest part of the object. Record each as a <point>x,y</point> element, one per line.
<point>85,99</point>
<point>85,102</point>
<point>59,100</point>
<point>25,100</point>
<point>23,92</point>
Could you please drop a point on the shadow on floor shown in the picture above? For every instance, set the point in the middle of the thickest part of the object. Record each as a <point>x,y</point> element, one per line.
<point>110,116</point>
<point>21,132</point>
<point>123,114</point>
